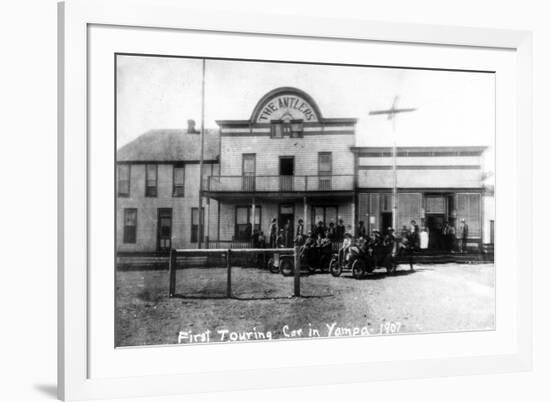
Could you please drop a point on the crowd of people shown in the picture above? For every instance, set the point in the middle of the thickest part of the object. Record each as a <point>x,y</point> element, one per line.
<point>447,237</point>
<point>410,237</point>
<point>283,236</point>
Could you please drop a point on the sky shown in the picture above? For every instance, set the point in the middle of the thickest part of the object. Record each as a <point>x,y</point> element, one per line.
<point>453,108</point>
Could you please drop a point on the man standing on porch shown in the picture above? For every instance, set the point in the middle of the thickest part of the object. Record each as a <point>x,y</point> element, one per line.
<point>273,233</point>
<point>300,228</point>
<point>463,235</point>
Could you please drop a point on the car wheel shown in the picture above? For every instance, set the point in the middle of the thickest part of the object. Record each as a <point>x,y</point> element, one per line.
<point>287,268</point>
<point>369,266</point>
<point>334,267</point>
<point>272,268</point>
<point>390,265</point>
<point>358,269</point>
<point>324,264</point>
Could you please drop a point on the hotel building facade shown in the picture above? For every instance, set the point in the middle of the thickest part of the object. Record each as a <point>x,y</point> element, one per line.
<point>289,162</point>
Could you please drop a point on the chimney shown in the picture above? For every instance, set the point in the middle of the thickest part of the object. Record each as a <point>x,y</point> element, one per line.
<point>191,127</point>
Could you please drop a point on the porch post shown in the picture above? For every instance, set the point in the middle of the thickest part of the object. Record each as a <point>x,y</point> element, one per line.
<point>353,218</point>
<point>207,223</point>
<point>305,215</point>
<point>253,214</point>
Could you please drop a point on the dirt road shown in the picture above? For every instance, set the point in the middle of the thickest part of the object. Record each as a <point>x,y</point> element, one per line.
<point>432,298</point>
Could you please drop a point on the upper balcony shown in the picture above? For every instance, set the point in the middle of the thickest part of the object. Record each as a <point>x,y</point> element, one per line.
<point>279,184</point>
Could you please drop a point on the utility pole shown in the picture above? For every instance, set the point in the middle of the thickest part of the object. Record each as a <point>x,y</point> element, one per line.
<point>391,113</point>
<point>200,213</point>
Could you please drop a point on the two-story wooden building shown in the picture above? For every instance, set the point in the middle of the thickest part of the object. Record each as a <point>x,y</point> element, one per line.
<point>158,188</point>
<point>287,161</point>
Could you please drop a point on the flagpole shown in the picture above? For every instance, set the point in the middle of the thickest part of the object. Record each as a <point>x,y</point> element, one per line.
<point>200,213</point>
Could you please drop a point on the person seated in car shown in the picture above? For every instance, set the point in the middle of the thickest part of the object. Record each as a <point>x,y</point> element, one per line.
<point>346,244</point>
<point>361,242</point>
<point>310,240</point>
<point>325,242</point>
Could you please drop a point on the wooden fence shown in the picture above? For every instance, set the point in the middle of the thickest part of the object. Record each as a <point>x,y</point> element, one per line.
<point>229,252</point>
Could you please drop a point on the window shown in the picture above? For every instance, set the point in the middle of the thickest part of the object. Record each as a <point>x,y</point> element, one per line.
<point>277,129</point>
<point>296,128</point>
<point>287,127</point>
<point>164,225</point>
<point>195,224</point>
<point>325,171</point>
<point>325,214</point>
<point>178,188</point>
<point>409,207</point>
<point>130,225</point>
<point>243,216</point>
<point>469,208</point>
<point>436,205</point>
<point>123,180</point>
<point>249,172</point>
<point>151,180</point>
<point>386,202</point>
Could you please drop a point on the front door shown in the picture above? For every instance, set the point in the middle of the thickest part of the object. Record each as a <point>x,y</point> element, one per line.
<point>286,173</point>
<point>385,221</point>
<point>435,224</point>
<point>286,222</point>
<point>164,229</point>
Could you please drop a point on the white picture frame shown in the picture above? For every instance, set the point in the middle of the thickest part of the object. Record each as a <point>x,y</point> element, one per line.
<point>75,19</point>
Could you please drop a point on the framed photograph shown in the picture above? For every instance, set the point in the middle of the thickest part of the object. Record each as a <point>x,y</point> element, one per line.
<point>252,201</point>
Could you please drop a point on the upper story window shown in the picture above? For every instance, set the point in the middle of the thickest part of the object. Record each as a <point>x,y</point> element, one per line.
<point>178,188</point>
<point>287,128</point>
<point>277,129</point>
<point>296,128</point>
<point>325,170</point>
<point>325,163</point>
<point>123,185</point>
<point>151,180</point>
<point>249,172</point>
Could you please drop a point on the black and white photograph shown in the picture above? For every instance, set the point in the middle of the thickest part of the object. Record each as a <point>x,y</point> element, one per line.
<point>275,201</point>
<point>262,200</point>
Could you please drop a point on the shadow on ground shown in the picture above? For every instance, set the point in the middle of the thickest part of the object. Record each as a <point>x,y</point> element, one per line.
<point>47,389</point>
<point>382,275</point>
<point>248,298</point>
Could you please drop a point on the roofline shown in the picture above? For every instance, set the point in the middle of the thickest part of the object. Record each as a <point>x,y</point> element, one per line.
<point>460,148</point>
<point>346,121</point>
<point>280,91</point>
<point>165,162</point>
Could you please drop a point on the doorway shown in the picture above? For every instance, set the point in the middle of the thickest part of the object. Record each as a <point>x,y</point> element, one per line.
<point>164,229</point>
<point>385,221</point>
<point>286,173</point>
<point>435,224</point>
<point>286,222</point>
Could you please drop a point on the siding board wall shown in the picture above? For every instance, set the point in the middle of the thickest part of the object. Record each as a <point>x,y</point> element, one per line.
<point>147,208</point>
<point>305,150</point>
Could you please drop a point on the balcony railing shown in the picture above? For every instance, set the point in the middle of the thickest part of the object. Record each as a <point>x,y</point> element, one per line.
<point>252,184</point>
